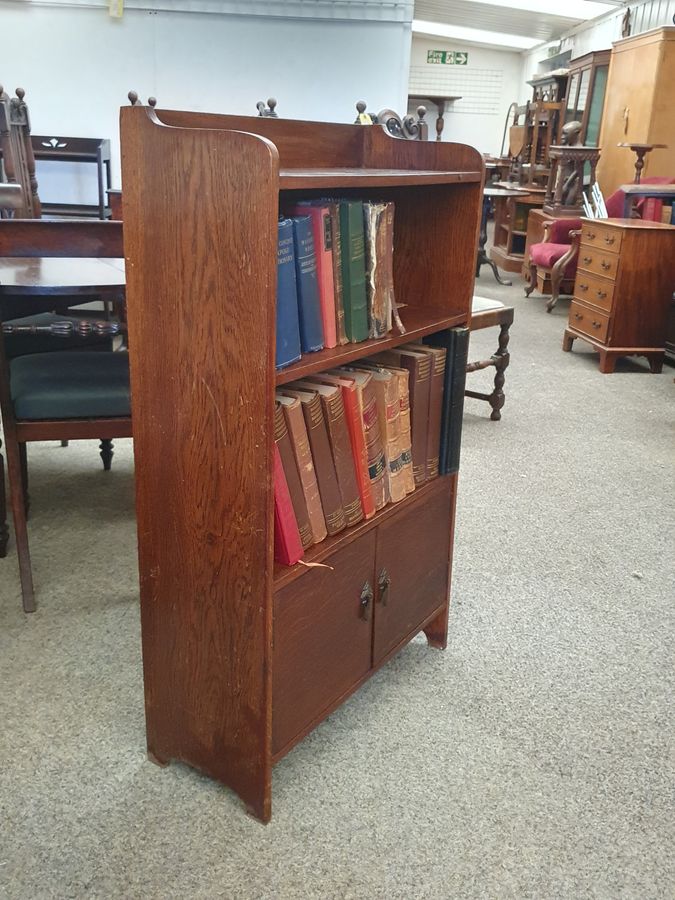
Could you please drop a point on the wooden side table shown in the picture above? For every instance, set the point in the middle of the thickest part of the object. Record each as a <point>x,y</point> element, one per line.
<point>623,289</point>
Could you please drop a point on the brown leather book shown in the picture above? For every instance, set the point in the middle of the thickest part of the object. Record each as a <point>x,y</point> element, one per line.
<point>389,415</point>
<point>341,446</point>
<point>437,356</point>
<point>295,422</point>
<point>377,462</point>
<point>317,432</point>
<point>283,442</point>
<point>334,211</point>
<point>419,366</point>
<point>379,235</point>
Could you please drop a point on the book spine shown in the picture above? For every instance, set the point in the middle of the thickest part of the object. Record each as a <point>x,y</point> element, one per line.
<point>323,244</point>
<point>387,268</point>
<point>288,328</point>
<point>353,270</point>
<point>406,438</point>
<point>287,545</point>
<point>358,441</point>
<point>390,425</point>
<point>457,402</point>
<point>446,340</point>
<point>337,273</point>
<point>378,266</point>
<point>311,328</point>
<point>283,442</point>
<point>317,433</point>
<point>343,457</point>
<point>436,383</point>
<point>295,422</point>
<point>377,461</point>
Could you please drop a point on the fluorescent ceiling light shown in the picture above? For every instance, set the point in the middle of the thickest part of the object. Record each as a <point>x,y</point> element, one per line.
<point>570,9</point>
<point>475,35</point>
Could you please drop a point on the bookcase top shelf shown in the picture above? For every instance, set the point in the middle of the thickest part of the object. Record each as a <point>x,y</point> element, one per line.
<point>307,179</point>
<point>418,323</point>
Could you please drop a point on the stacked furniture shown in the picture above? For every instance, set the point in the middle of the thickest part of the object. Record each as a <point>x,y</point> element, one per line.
<point>623,290</point>
<point>243,658</point>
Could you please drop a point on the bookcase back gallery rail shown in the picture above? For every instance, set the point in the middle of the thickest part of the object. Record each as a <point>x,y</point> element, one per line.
<point>221,635</point>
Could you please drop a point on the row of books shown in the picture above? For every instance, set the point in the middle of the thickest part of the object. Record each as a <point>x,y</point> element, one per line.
<point>352,439</point>
<point>334,278</point>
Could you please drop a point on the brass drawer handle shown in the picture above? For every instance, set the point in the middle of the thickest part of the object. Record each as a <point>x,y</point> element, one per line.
<point>597,324</point>
<point>609,240</point>
<point>588,259</point>
<point>590,235</point>
<point>578,316</point>
<point>602,294</point>
<point>606,265</point>
<point>366,600</point>
<point>583,287</point>
<point>383,583</point>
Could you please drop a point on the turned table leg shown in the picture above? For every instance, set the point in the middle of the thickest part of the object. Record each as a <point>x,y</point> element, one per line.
<point>502,358</point>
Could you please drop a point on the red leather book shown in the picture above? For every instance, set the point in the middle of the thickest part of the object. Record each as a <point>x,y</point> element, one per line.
<point>350,400</point>
<point>283,441</point>
<point>287,545</point>
<point>323,248</point>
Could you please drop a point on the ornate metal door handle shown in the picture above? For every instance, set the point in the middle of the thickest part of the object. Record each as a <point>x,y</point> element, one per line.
<point>383,583</point>
<point>366,600</point>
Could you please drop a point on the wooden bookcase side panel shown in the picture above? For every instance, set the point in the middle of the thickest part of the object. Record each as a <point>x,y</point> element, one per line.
<point>200,245</point>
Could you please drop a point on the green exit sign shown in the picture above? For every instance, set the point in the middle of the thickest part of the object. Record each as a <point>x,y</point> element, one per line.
<point>448,57</point>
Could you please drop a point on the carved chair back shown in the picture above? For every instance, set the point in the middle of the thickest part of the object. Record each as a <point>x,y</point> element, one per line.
<point>18,162</point>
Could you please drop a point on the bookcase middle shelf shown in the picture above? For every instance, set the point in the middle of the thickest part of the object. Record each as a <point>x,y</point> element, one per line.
<point>418,321</point>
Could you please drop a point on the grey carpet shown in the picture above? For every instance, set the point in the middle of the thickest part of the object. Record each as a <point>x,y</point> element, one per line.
<point>531,759</point>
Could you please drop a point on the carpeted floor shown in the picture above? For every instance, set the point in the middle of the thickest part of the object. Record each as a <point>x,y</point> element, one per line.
<point>532,759</point>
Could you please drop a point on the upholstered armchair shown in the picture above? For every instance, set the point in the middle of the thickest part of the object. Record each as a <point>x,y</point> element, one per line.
<point>553,262</point>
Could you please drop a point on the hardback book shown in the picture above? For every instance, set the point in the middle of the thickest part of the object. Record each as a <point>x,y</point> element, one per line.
<point>341,447</point>
<point>455,342</point>
<point>418,364</point>
<point>353,270</point>
<point>377,462</point>
<point>323,248</point>
<point>288,328</point>
<point>402,377</point>
<point>287,545</point>
<point>436,381</point>
<point>283,442</point>
<point>378,223</point>
<point>350,400</point>
<point>334,209</point>
<point>309,304</point>
<point>388,413</point>
<point>295,422</point>
<point>317,433</point>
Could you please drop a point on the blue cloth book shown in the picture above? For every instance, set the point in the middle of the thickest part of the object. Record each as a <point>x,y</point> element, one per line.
<point>455,341</point>
<point>309,305</point>
<point>288,327</point>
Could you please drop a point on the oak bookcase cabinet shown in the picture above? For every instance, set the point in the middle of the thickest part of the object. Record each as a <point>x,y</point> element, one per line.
<point>243,658</point>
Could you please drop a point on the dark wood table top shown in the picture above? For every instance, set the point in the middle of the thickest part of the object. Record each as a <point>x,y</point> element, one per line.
<point>54,276</point>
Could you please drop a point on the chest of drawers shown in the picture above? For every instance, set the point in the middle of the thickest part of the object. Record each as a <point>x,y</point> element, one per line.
<point>622,293</point>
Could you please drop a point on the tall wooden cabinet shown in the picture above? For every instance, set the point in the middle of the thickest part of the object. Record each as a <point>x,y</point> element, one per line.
<point>639,108</point>
<point>585,96</point>
<point>242,658</point>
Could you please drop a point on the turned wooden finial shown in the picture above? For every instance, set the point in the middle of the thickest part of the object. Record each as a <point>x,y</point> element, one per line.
<point>421,112</point>
<point>20,93</point>
<point>152,101</point>
<point>361,107</point>
<point>133,98</point>
<point>272,102</point>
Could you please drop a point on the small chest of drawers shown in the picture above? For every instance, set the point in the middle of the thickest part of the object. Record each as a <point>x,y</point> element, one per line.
<point>624,284</point>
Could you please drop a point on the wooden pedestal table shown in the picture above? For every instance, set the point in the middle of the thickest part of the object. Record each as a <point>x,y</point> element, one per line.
<point>623,290</point>
<point>483,259</point>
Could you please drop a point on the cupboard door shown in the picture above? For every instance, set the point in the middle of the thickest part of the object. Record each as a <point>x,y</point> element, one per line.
<point>412,569</point>
<point>322,638</point>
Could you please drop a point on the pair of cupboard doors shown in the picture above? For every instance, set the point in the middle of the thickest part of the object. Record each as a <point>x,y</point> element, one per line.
<point>336,624</point>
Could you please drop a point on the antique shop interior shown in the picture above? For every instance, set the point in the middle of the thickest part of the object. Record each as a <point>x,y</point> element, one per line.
<point>337,362</point>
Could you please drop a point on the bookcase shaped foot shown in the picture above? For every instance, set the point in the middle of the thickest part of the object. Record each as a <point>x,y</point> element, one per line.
<point>656,363</point>
<point>437,630</point>
<point>158,760</point>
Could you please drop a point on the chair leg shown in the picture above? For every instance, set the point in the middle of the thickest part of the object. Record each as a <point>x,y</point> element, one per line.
<point>20,528</point>
<point>4,528</point>
<point>106,448</point>
<point>533,280</point>
<point>23,456</point>
<point>502,358</point>
<point>556,278</point>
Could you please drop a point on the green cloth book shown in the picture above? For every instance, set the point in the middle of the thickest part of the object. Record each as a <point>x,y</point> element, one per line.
<point>353,270</point>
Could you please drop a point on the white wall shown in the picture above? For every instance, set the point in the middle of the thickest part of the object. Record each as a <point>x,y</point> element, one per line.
<point>487,84</point>
<point>77,65</point>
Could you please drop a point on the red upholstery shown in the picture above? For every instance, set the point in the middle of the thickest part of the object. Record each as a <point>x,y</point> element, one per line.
<point>547,255</point>
<point>559,231</point>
